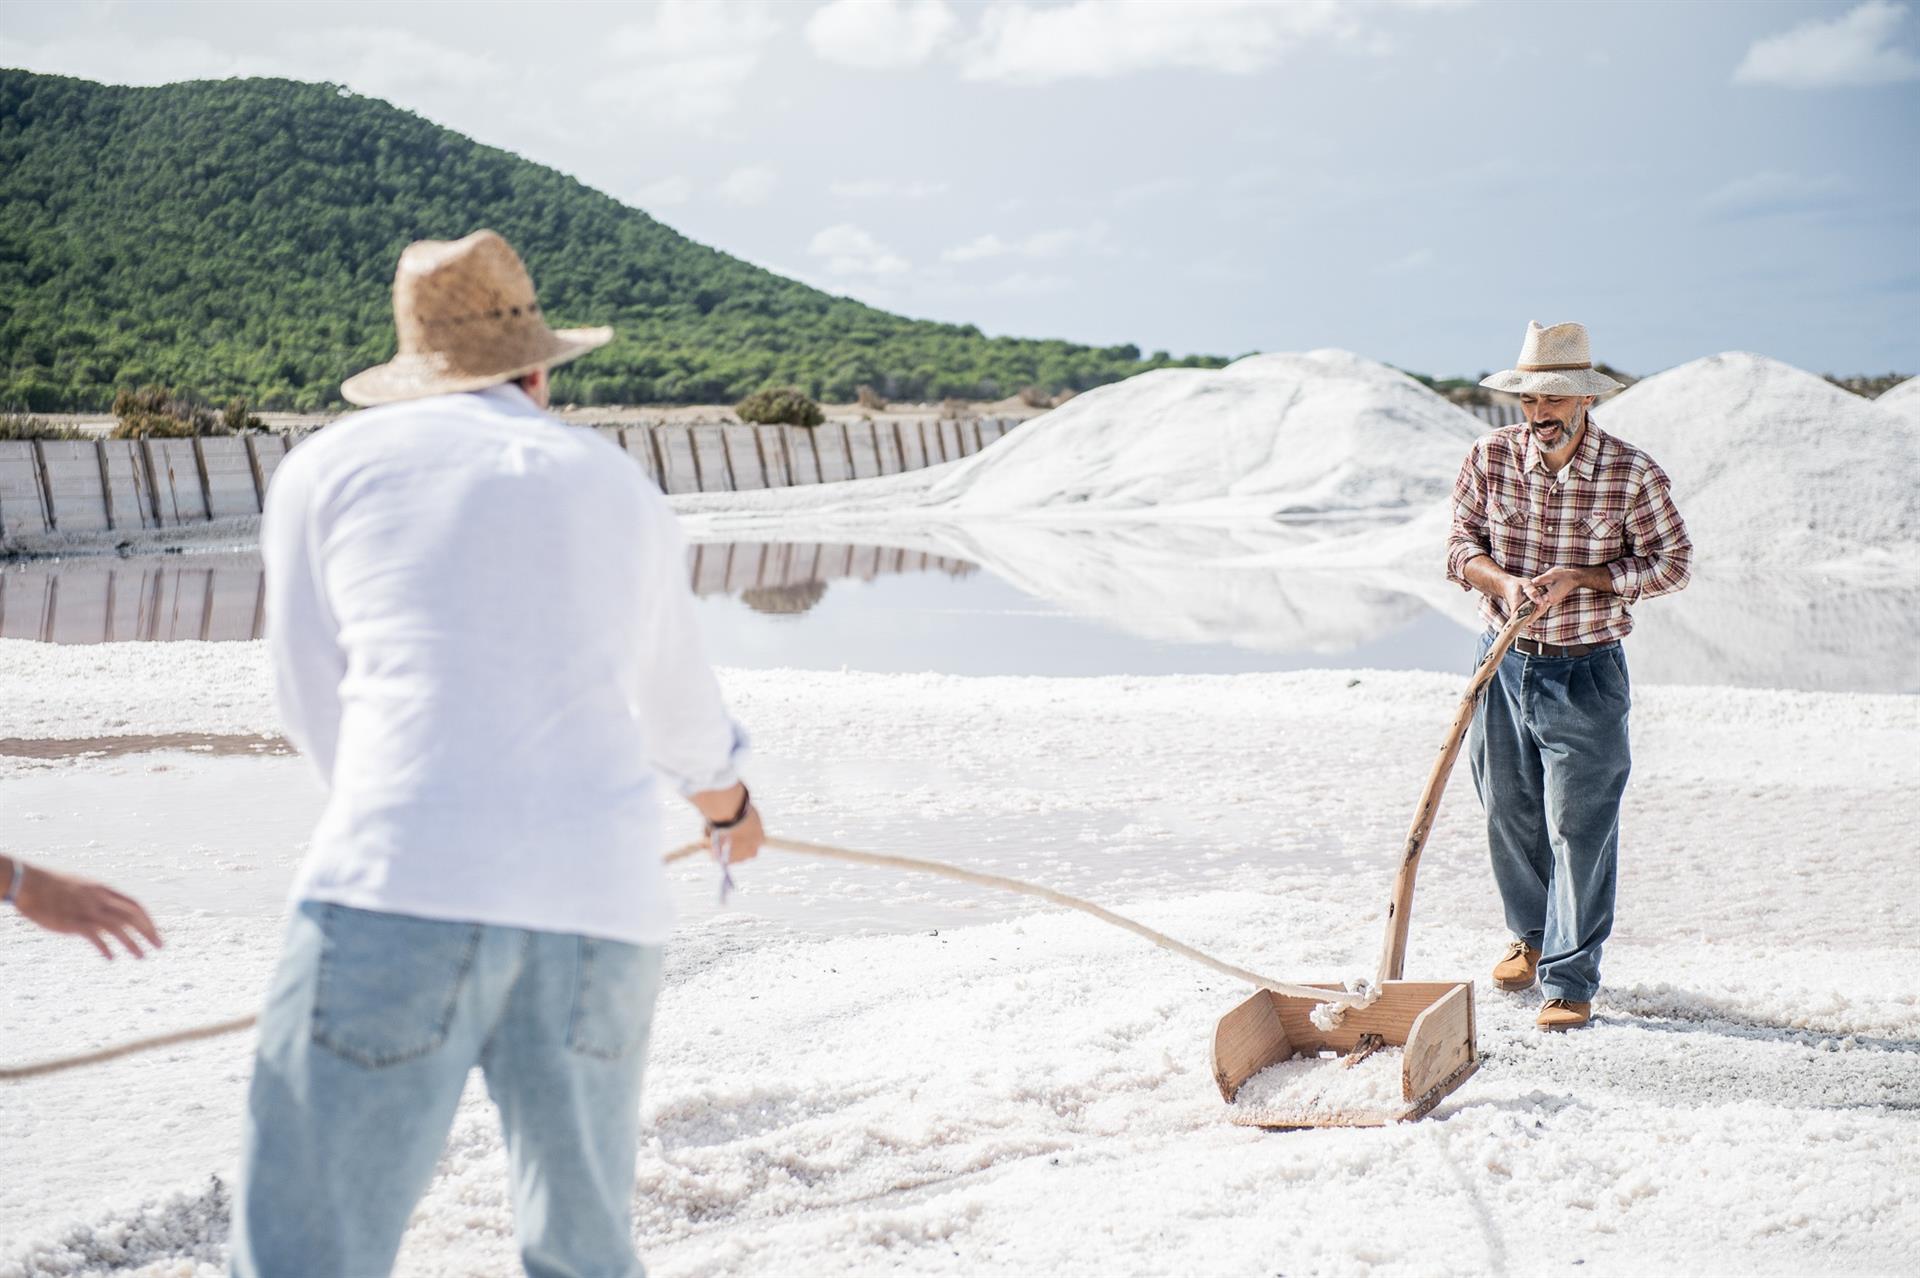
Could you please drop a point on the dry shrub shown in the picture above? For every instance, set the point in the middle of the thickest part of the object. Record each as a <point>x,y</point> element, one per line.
<point>1034,397</point>
<point>780,406</point>
<point>950,408</point>
<point>871,399</point>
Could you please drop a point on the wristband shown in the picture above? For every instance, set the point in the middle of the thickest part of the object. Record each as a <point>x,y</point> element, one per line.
<point>746,805</point>
<point>13,888</point>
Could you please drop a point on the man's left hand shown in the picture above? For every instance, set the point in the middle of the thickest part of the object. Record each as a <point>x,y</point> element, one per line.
<point>1555,584</point>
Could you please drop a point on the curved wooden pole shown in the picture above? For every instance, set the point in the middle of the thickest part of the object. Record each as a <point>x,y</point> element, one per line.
<point>1393,951</point>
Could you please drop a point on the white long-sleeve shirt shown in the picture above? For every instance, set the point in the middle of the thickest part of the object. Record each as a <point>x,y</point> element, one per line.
<point>483,639</point>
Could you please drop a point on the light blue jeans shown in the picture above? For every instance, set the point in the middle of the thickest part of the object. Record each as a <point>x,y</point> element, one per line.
<point>1550,759</point>
<point>370,1030</point>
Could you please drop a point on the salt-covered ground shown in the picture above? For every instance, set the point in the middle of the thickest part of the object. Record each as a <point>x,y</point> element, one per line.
<point>1032,1093</point>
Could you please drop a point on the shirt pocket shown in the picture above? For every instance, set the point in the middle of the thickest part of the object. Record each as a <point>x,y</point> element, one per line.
<point>1602,537</point>
<point>1507,535</point>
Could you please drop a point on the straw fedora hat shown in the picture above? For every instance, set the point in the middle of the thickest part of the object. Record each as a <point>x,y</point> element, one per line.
<point>1553,361</point>
<point>467,319</point>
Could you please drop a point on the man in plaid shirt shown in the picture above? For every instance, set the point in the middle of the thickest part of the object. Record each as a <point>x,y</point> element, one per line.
<point>1559,514</point>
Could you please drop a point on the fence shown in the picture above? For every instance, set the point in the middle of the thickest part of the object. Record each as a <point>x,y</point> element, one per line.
<point>107,600</point>
<point>706,459</point>
<point>1497,415</point>
<point>109,485</point>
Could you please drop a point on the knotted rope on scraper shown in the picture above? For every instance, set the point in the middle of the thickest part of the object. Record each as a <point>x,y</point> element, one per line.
<point>1331,1005</point>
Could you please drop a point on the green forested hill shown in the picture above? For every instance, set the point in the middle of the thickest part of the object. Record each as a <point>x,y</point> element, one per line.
<point>239,236</point>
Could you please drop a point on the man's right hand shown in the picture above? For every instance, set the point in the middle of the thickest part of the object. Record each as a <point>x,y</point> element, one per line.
<point>1496,583</point>
<point>1518,592</point>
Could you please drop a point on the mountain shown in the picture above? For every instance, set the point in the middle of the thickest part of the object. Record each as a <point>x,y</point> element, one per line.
<point>238,237</point>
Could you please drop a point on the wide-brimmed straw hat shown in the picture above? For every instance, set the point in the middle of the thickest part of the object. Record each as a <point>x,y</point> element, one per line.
<point>467,319</point>
<point>1553,361</point>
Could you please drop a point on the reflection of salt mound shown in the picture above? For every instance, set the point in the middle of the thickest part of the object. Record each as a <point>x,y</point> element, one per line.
<point>1773,465</point>
<point>1903,399</point>
<point>1269,434</point>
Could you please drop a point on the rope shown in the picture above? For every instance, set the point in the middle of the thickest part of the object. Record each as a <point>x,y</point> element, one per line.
<point>1332,1003</point>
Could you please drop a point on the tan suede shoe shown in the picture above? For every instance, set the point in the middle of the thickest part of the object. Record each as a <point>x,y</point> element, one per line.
<point>1514,971</point>
<point>1564,1014</point>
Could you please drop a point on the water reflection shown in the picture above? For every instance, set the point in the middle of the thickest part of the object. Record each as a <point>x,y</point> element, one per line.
<point>1119,599</point>
<point>223,597</point>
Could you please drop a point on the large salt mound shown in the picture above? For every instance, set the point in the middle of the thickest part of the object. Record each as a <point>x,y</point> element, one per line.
<point>1267,435</point>
<point>1903,399</point>
<point>1773,465</point>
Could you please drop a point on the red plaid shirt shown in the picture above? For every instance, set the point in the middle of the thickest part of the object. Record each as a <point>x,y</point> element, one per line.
<point>1615,508</point>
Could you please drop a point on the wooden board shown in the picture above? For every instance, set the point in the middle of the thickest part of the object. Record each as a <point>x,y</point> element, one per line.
<point>229,474</point>
<point>75,489</point>
<point>23,504</point>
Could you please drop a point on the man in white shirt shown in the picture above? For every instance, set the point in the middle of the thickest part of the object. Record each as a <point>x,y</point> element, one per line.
<point>483,640</point>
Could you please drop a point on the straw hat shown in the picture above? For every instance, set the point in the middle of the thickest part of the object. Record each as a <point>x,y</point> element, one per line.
<point>467,319</point>
<point>1553,361</point>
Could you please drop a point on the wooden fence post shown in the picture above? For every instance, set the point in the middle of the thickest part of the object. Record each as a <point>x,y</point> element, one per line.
<point>786,453</point>
<point>206,498</point>
<point>106,498</point>
<point>879,462</point>
<point>253,468</point>
<point>726,456</point>
<point>659,454</point>
<point>813,442</point>
<point>46,486</point>
<point>846,446</point>
<point>900,446</point>
<point>760,450</point>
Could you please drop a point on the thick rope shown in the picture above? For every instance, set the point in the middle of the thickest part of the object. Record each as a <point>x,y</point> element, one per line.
<point>1332,1003</point>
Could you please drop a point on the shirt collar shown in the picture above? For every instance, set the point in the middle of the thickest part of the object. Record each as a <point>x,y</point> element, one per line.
<point>508,397</point>
<point>1585,460</point>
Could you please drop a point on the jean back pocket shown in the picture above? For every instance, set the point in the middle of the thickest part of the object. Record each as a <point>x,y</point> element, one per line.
<point>388,984</point>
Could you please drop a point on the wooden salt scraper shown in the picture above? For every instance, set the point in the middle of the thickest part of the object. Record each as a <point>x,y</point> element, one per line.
<point>1432,1020</point>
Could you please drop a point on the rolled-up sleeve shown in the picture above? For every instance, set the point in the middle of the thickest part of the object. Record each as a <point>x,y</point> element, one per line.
<point>1467,538</point>
<point>303,639</point>
<point>1659,558</point>
<point>692,740</point>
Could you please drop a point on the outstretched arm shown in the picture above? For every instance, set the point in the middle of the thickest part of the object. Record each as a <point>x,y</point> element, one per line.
<point>77,907</point>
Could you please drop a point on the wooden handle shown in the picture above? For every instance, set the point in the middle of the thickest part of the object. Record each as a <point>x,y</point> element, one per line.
<point>1393,951</point>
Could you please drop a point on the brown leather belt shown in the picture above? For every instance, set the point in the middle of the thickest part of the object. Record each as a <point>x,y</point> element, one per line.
<point>1533,648</point>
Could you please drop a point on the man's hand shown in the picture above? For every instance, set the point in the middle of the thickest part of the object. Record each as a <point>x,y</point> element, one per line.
<point>744,840</point>
<point>81,907</point>
<point>1555,584</point>
<point>1495,582</point>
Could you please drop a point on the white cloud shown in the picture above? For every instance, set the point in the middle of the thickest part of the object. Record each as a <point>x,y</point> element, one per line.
<point>879,35</point>
<point>749,186</point>
<point>1856,48</point>
<point>887,189</point>
<point>664,193</point>
<point>1772,193</point>
<point>1104,38</point>
<point>1097,238</point>
<point>852,250</point>
<point>685,66</point>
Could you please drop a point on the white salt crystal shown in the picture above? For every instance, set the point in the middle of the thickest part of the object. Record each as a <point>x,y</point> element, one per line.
<point>1310,1089</point>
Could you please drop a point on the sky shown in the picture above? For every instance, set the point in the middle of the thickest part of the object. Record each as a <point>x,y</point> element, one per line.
<point>1410,179</point>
